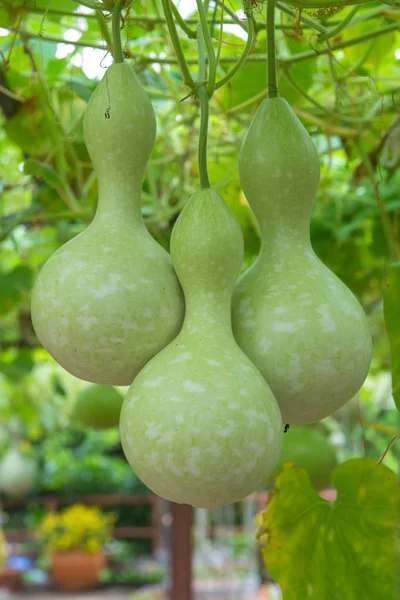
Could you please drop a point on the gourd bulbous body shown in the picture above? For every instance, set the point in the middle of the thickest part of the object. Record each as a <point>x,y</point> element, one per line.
<point>109,300</point>
<point>199,424</point>
<point>17,474</point>
<point>309,449</point>
<point>298,323</point>
<point>98,406</point>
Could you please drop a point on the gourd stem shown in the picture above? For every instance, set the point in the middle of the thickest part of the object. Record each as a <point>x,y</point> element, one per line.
<point>246,51</point>
<point>202,94</point>
<point>212,66</point>
<point>169,18</point>
<point>203,97</point>
<point>116,32</point>
<point>272,85</point>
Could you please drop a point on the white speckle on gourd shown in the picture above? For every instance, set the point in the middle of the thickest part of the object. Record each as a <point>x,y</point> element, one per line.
<point>212,362</point>
<point>154,382</point>
<point>264,346</point>
<point>216,452</point>
<point>193,386</point>
<point>113,273</point>
<point>181,358</point>
<point>328,331</point>
<point>327,323</point>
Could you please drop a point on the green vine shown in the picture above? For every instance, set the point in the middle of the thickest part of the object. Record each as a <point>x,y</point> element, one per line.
<point>212,65</point>
<point>187,78</point>
<point>311,23</point>
<point>333,5</point>
<point>247,49</point>
<point>223,4</point>
<point>335,30</point>
<point>89,4</point>
<point>389,230</point>
<point>181,22</point>
<point>324,109</point>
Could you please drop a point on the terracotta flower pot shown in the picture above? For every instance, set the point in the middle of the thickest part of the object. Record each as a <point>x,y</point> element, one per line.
<point>10,579</point>
<point>76,569</point>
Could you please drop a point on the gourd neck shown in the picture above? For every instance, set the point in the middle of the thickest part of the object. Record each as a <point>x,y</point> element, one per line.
<point>120,198</point>
<point>209,313</point>
<point>281,235</point>
<point>277,245</point>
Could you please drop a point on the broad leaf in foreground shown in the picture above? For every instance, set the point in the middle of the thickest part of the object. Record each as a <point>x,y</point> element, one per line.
<point>341,550</point>
<point>392,321</point>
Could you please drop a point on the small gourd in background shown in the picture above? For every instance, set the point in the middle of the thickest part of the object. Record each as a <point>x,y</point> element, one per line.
<point>109,300</point>
<point>298,323</point>
<point>17,473</point>
<point>98,407</point>
<point>199,424</point>
<point>308,448</point>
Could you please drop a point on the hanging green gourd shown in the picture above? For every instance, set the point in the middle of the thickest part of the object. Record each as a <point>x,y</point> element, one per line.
<point>310,449</point>
<point>199,424</point>
<point>109,300</point>
<point>98,406</point>
<point>298,323</point>
<point>17,473</point>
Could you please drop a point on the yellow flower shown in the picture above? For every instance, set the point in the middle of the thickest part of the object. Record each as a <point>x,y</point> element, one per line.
<point>76,526</point>
<point>3,550</point>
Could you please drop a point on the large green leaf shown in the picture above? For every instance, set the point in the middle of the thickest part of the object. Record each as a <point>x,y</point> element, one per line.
<point>248,83</point>
<point>378,47</point>
<point>341,550</point>
<point>392,321</point>
<point>301,72</point>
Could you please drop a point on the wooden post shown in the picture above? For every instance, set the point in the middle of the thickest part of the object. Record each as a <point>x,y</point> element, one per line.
<point>156,524</point>
<point>181,552</point>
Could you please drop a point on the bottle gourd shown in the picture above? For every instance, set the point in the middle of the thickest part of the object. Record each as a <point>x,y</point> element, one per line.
<point>98,407</point>
<point>17,474</point>
<point>298,323</point>
<point>109,300</point>
<point>309,449</point>
<point>199,424</point>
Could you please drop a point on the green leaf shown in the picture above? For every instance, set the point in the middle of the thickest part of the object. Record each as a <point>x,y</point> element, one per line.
<point>392,321</point>
<point>341,550</point>
<point>13,285</point>
<point>378,47</point>
<point>79,89</point>
<point>43,171</point>
<point>302,72</point>
<point>248,83</point>
<point>21,365</point>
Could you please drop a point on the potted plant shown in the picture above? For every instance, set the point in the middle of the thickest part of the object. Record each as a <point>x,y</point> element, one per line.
<point>10,579</point>
<point>74,540</point>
